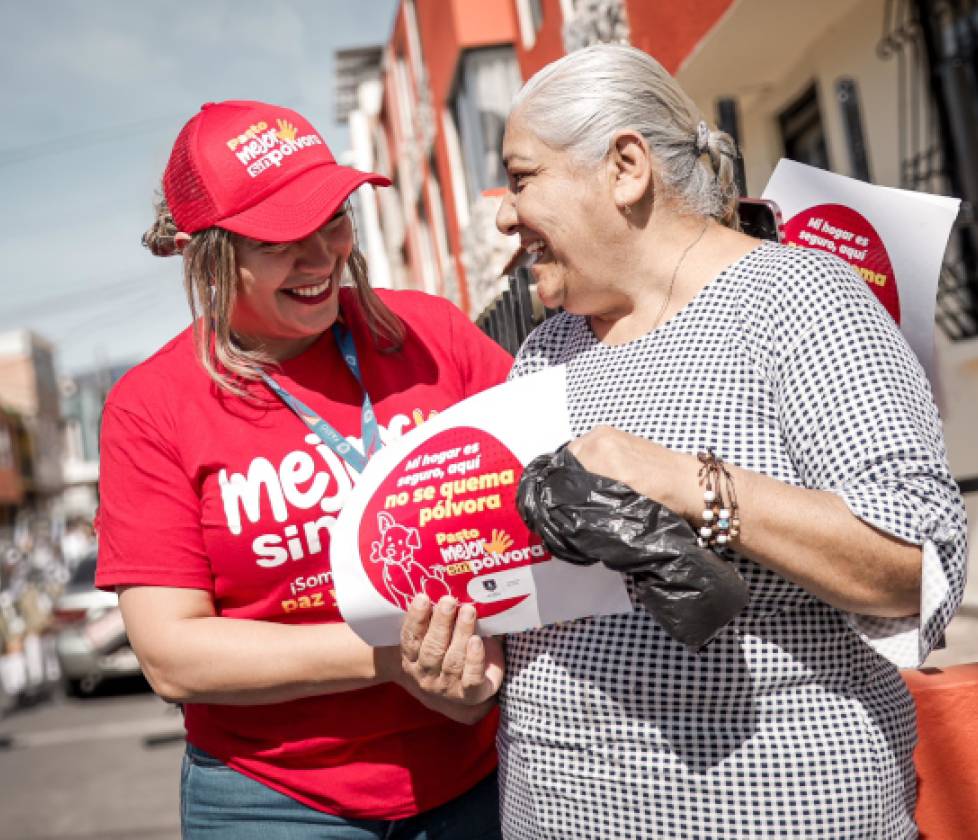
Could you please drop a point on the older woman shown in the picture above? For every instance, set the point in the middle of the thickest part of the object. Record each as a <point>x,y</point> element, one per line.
<point>682,336</point>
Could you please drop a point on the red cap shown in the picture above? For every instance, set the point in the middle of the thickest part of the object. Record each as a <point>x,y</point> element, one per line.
<point>258,170</point>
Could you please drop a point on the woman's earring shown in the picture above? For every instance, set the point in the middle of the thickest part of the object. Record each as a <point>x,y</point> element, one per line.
<point>627,210</point>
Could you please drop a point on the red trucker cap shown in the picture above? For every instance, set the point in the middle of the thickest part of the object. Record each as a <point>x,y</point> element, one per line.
<point>258,170</point>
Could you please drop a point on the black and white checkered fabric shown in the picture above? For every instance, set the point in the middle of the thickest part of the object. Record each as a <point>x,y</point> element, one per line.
<point>794,722</point>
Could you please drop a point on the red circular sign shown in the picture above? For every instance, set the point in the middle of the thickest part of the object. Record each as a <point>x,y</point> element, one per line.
<point>842,231</point>
<point>444,522</point>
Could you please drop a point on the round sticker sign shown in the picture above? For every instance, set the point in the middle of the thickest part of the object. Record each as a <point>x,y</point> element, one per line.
<point>842,231</point>
<point>444,522</point>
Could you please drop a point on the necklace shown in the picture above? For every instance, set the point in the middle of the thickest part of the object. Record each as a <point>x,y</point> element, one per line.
<point>675,271</point>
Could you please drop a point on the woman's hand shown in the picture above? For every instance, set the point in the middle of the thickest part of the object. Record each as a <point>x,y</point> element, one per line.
<point>661,474</point>
<point>443,659</point>
<point>452,709</point>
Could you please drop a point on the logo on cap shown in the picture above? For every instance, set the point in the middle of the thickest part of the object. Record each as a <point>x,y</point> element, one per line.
<point>259,148</point>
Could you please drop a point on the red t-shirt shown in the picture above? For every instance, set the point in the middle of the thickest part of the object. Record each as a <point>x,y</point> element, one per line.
<point>204,490</point>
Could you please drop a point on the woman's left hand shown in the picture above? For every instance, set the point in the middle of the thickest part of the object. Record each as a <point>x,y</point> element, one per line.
<point>650,469</point>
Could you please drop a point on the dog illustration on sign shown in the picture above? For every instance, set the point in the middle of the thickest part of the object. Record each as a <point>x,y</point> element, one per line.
<point>404,576</point>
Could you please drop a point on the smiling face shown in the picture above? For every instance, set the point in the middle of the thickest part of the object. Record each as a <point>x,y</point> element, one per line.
<point>566,217</point>
<point>287,292</point>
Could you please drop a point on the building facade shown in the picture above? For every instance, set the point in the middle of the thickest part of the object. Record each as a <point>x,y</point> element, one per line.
<point>82,401</point>
<point>883,90</point>
<point>432,118</point>
<point>32,416</point>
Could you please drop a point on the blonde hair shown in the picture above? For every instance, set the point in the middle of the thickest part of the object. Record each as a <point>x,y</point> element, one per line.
<point>210,277</point>
<point>580,101</point>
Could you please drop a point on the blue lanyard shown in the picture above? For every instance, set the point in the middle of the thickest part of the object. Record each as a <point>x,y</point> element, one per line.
<point>326,433</point>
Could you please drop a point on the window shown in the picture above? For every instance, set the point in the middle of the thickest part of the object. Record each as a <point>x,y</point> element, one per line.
<point>487,80</point>
<point>74,440</point>
<point>437,215</point>
<point>847,95</point>
<point>456,169</point>
<point>802,131</point>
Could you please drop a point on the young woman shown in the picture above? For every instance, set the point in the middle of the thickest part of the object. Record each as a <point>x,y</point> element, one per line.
<point>225,459</point>
<point>682,336</point>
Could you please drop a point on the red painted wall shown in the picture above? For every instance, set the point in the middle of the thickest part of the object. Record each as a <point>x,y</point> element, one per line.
<point>11,481</point>
<point>549,45</point>
<point>447,27</point>
<point>667,30</point>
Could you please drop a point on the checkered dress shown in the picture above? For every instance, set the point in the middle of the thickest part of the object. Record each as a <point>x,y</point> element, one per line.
<point>794,722</point>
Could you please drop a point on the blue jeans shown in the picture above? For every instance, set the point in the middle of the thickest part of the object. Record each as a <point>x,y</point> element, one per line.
<point>218,803</point>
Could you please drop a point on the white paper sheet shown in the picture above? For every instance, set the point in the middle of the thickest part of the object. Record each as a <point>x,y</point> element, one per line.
<point>895,238</point>
<point>435,512</point>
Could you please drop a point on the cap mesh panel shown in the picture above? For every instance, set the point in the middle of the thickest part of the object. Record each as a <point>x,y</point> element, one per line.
<point>191,204</point>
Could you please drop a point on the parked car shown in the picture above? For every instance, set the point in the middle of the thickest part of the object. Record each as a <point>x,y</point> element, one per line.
<point>92,644</point>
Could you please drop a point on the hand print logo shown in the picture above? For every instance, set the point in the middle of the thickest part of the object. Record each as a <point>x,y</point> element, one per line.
<point>286,131</point>
<point>500,542</point>
<point>404,576</point>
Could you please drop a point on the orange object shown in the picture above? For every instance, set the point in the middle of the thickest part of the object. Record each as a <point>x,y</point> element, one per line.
<point>947,751</point>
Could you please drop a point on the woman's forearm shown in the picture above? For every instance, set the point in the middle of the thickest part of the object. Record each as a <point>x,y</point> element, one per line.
<point>190,655</point>
<point>238,662</point>
<point>811,538</point>
<point>808,536</point>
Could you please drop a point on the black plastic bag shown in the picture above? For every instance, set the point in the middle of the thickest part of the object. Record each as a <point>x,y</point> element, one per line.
<point>583,518</point>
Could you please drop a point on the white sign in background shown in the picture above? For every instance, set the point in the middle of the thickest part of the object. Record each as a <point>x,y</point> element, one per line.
<point>914,228</point>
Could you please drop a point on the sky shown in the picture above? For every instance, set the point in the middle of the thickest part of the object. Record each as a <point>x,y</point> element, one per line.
<point>93,94</point>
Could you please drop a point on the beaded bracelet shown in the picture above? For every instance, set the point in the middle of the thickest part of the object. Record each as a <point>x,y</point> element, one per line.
<point>721,519</point>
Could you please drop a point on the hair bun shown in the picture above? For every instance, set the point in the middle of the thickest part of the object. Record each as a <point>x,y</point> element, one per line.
<point>160,239</point>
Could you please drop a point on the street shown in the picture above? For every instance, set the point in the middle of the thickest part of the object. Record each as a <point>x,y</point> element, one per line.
<point>105,767</point>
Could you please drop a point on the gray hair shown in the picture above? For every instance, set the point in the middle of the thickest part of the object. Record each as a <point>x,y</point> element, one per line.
<point>580,101</point>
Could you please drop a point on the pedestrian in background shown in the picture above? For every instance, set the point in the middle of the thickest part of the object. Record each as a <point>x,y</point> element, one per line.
<point>762,393</point>
<point>225,459</point>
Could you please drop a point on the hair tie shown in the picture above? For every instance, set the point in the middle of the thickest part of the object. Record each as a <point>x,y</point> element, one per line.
<point>702,137</point>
